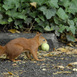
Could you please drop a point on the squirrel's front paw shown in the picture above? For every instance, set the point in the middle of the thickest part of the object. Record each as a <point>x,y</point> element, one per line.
<point>40,59</point>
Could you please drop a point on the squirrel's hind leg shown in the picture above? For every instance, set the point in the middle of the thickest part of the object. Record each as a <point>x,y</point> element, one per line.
<point>14,60</point>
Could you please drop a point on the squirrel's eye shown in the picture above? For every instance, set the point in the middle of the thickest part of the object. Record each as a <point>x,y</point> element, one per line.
<point>43,40</point>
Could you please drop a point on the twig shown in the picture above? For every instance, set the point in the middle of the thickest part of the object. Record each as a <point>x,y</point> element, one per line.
<point>31,26</point>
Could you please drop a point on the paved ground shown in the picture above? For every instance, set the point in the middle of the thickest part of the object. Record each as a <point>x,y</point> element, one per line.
<point>52,66</point>
<point>47,68</point>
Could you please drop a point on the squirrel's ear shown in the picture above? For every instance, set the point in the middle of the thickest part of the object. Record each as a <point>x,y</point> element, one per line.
<point>38,34</point>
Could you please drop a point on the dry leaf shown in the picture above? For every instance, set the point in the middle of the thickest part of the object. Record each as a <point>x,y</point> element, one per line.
<point>44,69</point>
<point>73,63</point>
<point>67,50</point>
<point>61,67</point>
<point>3,56</point>
<point>33,4</point>
<point>76,39</point>
<point>62,49</point>
<point>75,69</point>
<point>74,51</point>
<point>10,73</point>
<point>62,72</point>
<point>54,49</point>
<point>14,64</point>
<point>75,45</point>
<point>55,53</point>
<point>46,55</point>
<point>13,31</point>
<point>70,44</point>
<point>69,65</point>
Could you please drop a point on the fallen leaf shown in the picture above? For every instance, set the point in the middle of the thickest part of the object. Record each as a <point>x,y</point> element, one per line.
<point>46,55</point>
<point>73,63</point>
<point>44,69</point>
<point>60,67</point>
<point>14,31</point>
<point>3,56</point>
<point>33,4</point>
<point>62,49</point>
<point>55,53</point>
<point>75,45</point>
<point>75,69</point>
<point>67,50</point>
<point>54,49</point>
<point>14,64</point>
<point>10,73</point>
<point>70,44</point>
<point>62,72</point>
<point>6,74</point>
<point>76,39</point>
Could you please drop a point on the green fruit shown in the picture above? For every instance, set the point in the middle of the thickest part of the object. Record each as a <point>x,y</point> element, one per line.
<point>45,47</point>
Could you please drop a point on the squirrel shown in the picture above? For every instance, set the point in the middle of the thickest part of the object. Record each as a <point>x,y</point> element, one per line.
<point>16,46</point>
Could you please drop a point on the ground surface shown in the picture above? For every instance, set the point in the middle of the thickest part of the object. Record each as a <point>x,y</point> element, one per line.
<point>52,66</point>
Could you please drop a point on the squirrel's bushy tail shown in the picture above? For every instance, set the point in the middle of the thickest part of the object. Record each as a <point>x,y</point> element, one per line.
<point>2,50</point>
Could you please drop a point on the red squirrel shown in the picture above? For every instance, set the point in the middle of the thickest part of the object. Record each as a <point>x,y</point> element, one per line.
<point>16,46</point>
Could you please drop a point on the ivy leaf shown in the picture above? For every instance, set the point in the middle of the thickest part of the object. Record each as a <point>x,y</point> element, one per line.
<point>28,21</point>
<point>61,13</point>
<point>1,16</point>
<point>75,20</point>
<point>56,31</point>
<point>3,21</point>
<point>37,20</point>
<point>21,16</point>
<point>57,20</point>
<point>47,28</point>
<point>43,24</point>
<point>41,17</point>
<point>70,38</point>
<point>67,28</point>
<point>66,3</point>
<point>47,12</point>
<point>9,4</point>
<point>70,22</point>
<point>53,3</point>
<point>10,20</point>
<point>43,9</point>
<point>33,14</point>
<point>73,7</point>
<point>17,23</point>
<point>15,14</point>
<point>72,27</point>
<point>61,28</point>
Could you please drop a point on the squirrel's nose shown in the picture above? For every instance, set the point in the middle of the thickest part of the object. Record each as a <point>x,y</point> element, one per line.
<point>46,41</point>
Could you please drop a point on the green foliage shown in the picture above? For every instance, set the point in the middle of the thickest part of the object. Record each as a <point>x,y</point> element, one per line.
<point>48,12</point>
<point>47,15</point>
<point>61,13</point>
<point>53,3</point>
<point>70,38</point>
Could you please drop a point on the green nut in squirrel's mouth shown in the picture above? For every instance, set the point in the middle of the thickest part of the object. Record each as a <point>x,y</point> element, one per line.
<point>45,46</point>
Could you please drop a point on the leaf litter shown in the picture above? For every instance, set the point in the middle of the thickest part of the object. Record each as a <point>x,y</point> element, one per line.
<point>67,50</point>
<point>59,68</point>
